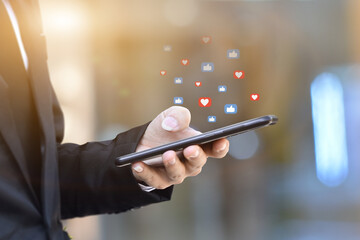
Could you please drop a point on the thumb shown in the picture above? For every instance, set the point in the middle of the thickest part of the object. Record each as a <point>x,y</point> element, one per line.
<point>166,127</point>
<point>173,119</point>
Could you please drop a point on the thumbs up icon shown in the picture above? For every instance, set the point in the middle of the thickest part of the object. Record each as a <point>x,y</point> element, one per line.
<point>211,119</point>
<point>222,88</point>
<point>207,67</point>
<point>233,53</point>
<point>230,108</point>
<point>178,80</point>
<point>178,100</point>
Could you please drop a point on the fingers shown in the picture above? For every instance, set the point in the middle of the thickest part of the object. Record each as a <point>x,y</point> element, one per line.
<point>175,168</point>
<point>175,118</point>
<point>217,149</point>
<point>169,126</point>
<point>173,172</point>
<point>152,176</point>
<point>195,160</point>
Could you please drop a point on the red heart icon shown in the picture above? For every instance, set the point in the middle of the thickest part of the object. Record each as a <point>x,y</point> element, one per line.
<point>185,62</point>
<point>162,72</point>
<point>205,102</point>
<point>206,39</point>
<point>239,74</point>
<point>254,97</point>
<point>197,83</point>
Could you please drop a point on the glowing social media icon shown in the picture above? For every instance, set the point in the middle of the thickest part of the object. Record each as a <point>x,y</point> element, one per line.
<point>206,39</point>
<point>198,84</point>
<point>230,108</point>
<point>254,97</point>
<point>162,72</point>
<point>185,62</point>
<point>233,53</point>
<point>222,88</point>
<point>239,74</point>
<point>178,100</point>
<point>204,102</point>
<point>211,119</point>
<point>167,48</point>
<point>178,80</point>
<point>207,67</point>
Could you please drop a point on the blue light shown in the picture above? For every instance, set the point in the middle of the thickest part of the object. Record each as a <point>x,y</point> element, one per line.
<point>329,129</point>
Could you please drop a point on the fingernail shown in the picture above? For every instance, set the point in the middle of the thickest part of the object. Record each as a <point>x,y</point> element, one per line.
<point>222,148</point>
<point>172,161</point>
<point>195,155</point>
<point>138,168</point>
<point>169,124</point>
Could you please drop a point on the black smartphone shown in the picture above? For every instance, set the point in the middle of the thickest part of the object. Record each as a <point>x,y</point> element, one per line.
<point>200,139</point>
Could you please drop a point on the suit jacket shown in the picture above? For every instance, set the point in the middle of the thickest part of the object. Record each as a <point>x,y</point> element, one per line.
<point>77,180</point>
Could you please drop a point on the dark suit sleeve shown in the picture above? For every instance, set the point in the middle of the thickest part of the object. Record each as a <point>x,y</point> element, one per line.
<point>89,181</point>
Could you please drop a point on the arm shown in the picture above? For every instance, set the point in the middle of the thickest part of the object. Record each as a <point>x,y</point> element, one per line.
<point>89,181</point>
<point>91,184</point>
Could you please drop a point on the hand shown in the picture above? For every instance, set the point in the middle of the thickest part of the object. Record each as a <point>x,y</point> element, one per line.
<point>172,125</point>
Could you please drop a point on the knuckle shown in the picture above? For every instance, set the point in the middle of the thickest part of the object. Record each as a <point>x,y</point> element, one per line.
<point>195,168</point>
<point>196,172</point>
<point>222,154</point>
<point>199,163</point>
<point>160,186</point>
<point>181,180</point>
<point>149,179</point>
<point>176,177</point>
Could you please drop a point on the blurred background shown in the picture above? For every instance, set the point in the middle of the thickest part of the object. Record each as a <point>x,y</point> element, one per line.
<point>296,180</point>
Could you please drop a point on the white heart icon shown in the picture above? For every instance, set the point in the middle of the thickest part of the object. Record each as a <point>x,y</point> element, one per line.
<point>162,72</point>
<point>254,96</point>
<point>238,74</point>
<point>184,62</point>
<point>206,39</point>
<point>197,84</point>
<point>204,102</point>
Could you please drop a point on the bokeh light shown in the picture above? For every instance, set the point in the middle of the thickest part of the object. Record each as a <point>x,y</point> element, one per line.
<point>244,146</point>
<point>329,129</point>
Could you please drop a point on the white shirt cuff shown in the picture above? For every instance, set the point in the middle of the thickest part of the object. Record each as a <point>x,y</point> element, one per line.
<point>146,188</point>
